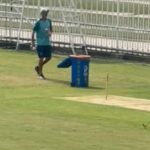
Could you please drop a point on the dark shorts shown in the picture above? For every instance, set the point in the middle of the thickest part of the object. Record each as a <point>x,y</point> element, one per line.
<point>44,51</point>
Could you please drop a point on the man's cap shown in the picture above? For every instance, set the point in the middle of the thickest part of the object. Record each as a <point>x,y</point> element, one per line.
<point>44,9</point>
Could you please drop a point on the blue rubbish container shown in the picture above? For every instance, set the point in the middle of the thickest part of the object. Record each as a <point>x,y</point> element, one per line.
<point>66,63</point>
<point>80,70</point>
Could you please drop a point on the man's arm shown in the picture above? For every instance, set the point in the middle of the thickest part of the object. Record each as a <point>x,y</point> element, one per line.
<point>50,28</point>
<point>32,40</point>
<point>35,29</point>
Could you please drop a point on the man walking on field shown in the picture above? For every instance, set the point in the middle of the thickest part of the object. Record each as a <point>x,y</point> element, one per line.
<point>43,31</point>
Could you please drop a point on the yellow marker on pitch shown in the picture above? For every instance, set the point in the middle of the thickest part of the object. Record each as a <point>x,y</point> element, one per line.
<point>106,88</point>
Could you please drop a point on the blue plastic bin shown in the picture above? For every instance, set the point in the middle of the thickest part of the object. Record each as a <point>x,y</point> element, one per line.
<point>80,70</point>
<point>66,63</point>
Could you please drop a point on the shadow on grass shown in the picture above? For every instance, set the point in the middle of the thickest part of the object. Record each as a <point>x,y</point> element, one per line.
<point>95,88</point>
<point>68,84</point>
<point>59,81</point>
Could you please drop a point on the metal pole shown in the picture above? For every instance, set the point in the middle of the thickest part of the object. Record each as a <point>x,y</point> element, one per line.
<point>39,4</point>
<point>66,24</point>
<point>107,79</point>
<point>117,24</point>
<point>21,20</point>
<point>10,20</point>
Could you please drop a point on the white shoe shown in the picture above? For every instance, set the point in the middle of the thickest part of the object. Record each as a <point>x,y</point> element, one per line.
<point>41,78</point>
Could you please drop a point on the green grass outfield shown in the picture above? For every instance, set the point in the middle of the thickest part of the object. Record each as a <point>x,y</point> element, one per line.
<point>31,118</point>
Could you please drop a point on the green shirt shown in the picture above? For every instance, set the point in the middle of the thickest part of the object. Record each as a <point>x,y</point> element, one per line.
<point>42,29</point>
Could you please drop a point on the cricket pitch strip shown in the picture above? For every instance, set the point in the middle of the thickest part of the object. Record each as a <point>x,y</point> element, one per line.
<point>118,101</point>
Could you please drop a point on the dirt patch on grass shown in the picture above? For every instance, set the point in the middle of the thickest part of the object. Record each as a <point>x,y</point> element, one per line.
<point>119,101</point>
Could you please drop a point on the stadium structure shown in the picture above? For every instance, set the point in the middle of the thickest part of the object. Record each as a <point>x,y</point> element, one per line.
<point>119,27</point>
